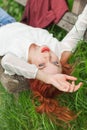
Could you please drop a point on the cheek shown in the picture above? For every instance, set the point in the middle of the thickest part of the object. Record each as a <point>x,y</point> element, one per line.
<point>36,60</point>
<point>33,60</point>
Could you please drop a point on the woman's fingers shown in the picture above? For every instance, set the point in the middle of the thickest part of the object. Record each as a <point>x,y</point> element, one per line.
<point>78,86</point>
<point>74,87</point>
<point>61,82</point>
<point>70,77</point>
<point>70,87</point>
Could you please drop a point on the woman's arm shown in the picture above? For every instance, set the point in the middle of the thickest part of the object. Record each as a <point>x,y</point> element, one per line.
<point>76,34</point>
<point>14,65</point>
<point>60,81</point>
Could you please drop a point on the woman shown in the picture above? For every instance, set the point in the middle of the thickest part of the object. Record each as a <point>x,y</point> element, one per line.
<point>36,54</point>
<point>25,46</point>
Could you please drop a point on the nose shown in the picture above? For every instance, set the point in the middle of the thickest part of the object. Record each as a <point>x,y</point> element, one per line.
<point>47,56</point>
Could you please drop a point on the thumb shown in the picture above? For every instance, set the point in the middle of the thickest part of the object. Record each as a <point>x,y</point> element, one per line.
<point>70,77</point>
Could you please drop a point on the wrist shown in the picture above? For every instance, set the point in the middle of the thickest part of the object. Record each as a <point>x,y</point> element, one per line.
<point>41,76</point>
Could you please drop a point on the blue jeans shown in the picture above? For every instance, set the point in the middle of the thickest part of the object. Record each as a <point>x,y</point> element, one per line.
<point>5,18</point>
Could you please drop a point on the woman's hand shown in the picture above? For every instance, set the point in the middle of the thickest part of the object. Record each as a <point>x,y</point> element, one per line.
<point>62,82</point>
<point>64,57</point>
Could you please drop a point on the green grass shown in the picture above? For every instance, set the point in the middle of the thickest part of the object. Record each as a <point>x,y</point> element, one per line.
<point>19,113</point>
<point>13,8</point>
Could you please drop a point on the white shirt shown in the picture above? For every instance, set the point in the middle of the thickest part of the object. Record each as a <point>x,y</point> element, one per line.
<point>15,39</point>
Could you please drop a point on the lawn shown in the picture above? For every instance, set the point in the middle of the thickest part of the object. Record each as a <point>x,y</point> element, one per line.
<point>19,113</point>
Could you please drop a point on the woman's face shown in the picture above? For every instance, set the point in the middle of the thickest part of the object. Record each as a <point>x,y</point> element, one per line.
<point>44,59</point>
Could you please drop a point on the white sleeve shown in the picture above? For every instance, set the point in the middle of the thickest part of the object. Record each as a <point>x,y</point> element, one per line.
<point>14,65</point>
<point>70,41</point>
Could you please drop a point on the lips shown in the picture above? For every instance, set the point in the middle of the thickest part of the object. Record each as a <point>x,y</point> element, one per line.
<point>44,49</point>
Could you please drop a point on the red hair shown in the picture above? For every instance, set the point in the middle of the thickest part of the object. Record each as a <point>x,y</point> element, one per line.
<point>46,94</point>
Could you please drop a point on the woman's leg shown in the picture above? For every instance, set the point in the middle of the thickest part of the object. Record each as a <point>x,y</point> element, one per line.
<point>5,18</point>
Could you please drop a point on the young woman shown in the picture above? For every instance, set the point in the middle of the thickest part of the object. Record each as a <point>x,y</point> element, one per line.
<point>36,55</point>
<point>26,51</point>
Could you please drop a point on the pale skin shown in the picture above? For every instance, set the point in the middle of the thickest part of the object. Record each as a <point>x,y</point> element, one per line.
<point>50,70</point>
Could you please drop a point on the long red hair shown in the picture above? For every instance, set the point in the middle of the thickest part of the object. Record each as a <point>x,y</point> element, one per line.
<point>46,94</point>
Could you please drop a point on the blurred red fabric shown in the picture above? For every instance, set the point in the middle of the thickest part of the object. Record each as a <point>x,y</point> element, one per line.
<point>41,13</point>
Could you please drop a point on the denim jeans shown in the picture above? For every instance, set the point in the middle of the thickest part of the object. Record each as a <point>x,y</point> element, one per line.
<point>5,18</point>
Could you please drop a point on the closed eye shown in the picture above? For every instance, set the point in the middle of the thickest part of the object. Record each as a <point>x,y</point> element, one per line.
<point>41,66</point>
<point>56,63</point>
